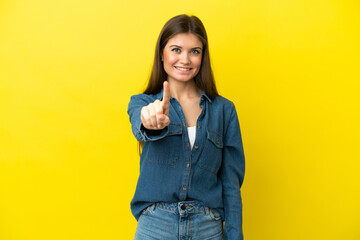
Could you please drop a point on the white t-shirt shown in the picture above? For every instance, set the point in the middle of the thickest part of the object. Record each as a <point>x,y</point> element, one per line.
<point>192,135</point>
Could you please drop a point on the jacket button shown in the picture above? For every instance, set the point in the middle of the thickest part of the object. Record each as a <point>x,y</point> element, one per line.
<point>188,165</point>
<point>196,147</point>
<point>198,126</point>
<point>184,188</point>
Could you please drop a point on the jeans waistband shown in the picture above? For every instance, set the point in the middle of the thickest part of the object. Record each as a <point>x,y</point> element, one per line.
<point>182,207</point>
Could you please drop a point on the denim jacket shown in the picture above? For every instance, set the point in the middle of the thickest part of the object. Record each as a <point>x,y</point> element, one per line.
<point>211,173</point>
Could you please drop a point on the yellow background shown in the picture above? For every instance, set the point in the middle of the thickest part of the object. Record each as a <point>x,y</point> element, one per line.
<point>68,160</point>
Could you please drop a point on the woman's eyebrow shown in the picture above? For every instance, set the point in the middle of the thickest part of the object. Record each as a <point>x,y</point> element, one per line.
<point>181,47</point>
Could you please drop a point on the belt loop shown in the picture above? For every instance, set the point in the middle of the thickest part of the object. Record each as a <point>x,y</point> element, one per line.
<point>152,207</point>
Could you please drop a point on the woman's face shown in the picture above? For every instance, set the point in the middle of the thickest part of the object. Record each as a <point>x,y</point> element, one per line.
<point>182,57</point>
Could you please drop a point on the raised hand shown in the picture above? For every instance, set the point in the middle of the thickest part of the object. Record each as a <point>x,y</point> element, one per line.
<point>155,116</point>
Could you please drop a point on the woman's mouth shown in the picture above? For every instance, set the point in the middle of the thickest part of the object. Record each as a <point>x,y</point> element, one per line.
<point>182,69</point>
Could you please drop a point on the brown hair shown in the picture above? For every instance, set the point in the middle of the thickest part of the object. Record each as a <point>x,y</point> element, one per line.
<point>182,24</point>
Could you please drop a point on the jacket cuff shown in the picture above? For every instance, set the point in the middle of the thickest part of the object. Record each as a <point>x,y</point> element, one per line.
<point>151,135</point>
<point>233,233</point>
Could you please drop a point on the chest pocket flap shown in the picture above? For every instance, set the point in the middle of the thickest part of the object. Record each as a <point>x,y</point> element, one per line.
<point>211,157</point>
<point>174,129</point>
<point>166,150</point>
<point>215,139</point>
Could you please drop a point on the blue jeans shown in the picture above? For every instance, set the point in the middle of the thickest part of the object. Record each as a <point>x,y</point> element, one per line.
<point>179,221</point>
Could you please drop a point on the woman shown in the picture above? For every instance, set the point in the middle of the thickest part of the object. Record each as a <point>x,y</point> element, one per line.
<point>192,161</point>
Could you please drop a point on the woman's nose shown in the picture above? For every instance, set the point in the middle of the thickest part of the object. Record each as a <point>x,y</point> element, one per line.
<point>184,58</point>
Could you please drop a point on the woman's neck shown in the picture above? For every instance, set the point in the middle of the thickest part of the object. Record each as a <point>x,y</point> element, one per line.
<point>183,90</point>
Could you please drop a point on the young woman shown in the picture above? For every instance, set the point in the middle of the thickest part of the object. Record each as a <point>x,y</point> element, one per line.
<point>192,160</point>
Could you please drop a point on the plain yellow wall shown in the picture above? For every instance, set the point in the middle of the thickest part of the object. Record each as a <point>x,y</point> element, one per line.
<point>68,160</point>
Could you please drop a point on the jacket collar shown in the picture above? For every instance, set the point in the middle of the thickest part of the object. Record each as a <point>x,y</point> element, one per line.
<point>203,95</point>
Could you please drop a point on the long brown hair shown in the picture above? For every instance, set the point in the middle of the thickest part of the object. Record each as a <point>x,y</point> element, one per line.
<point>204,80</point>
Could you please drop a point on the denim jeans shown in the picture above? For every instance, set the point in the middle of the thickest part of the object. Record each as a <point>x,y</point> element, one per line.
<point>179,221</point>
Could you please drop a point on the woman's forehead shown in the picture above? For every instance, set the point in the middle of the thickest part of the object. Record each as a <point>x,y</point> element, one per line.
<point>185,40</point>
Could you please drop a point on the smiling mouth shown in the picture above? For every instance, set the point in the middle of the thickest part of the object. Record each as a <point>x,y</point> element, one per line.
<point>183,69</point>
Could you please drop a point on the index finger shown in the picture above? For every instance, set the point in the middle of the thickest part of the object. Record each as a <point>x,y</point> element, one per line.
<point>166,96</point>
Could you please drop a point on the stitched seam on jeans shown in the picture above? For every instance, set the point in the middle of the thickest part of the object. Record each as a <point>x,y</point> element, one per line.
<point>168,209</point>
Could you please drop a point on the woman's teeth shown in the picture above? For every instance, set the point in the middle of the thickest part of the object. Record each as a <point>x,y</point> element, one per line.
<point>183,69</point>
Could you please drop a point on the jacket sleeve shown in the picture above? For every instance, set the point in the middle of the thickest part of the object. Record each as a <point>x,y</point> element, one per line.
<point>232,176</point>
<point>137,102</point>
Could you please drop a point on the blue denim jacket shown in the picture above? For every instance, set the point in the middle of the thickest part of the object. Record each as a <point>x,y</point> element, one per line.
<point>211,173</point>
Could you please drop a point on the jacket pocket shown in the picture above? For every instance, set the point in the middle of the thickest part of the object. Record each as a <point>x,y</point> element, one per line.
<point>167,149</point>
<point>211,157</point>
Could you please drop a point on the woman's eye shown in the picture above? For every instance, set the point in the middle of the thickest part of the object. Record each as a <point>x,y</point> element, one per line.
<point>195,51</point>
<point>175,50</point>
